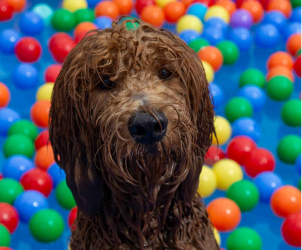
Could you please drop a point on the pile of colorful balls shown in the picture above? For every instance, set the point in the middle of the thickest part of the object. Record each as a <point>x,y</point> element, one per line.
<point>251,54</point>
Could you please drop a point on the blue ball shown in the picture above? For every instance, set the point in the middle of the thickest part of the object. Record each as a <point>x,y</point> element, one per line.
<point>56,173</point>
<point>25,76</point>
<point>292,28</point>
<point>8,39</point>
<point>103,22</point>
<point>188,35</point>
<point>267,35</point>
<point>92,3</point>
<point>298,164</point>
<point>213,35</point>
<point>28,203</point>
<point>31,23</point>
<point>217,23</point>
<point>267,183</point>
<point>248,127</point>
<point>198,10</point>
<point>242,37</point>
<point>296,15</point>
<point>255,95</point>
<point>15,166</point>
<point>217,93</point>
<point>7,118</point>
<point>275,18</point>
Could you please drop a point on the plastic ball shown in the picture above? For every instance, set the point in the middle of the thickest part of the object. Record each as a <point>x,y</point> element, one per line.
<point>209,71</point>
<point>227,172</point>
<point>207,182</point>
<point>213,35</point>
<point>153,15</point>
<point>297,66</point>
<point>42,139</point>
<point>252,76</point>
<point>73,5</point>
<point>229,51</point>
<point>46,225</point>
<point>291,113</point>
<point>279,88</point>
<point>280,58</point>
<point>296,3</point>
<point>15,166</point>
<point>224,214</point>
<point>242,37</point>
<point>208,3</point>
<point>39,113</point>
<point>229,5</point>
<point>44,92</point>
<point>255,8</point>
<point>125,6</point>
<point>107,8</point>
<point>217,236</point>
<point>241,18</point>
<point>212,55</point>
<point>103,22</point>
<point>217,94</point>
<point>292,28</point>
<point>189,22</point>
<point>60,44</point>
<point>247,127</point>
<point>24,127</point>
<point>83,15</point>
<point>296,15</point>
<point>255,95</point>
<point>174,10</point>
<point>280,71</point>
<point>267,183</point>
<point>8,40</point>
<point>275,18</point>
<point>57,174</point>
<point>289,148</point>
<point>217,23</point>
<point>291,229</point>
<point>163,3</point>
<point>52,72</point>
<point>72,216</point>
<point>10,189</point>
<point>63,20</point>
<point>213,155</point>
<point>44,157</point>
<point>7,118</point>
<point>244,238</point>
<point>31,24</point>
<point>141,4</point>
<point>9,217</point>
<point>44,11</point>
<point>293,44</point>
<point>217,11</point>
<point>240,148</point>
<point>267,35</point>
<point>198,10</point>
<point>6,10</point>
<point>260,160</point>
<point>286,200</point>
<point>25,76</point>
<point>64,195</point>
<point>5,236</point>
<point>4,95</point>
<point>238,107</point>
<point>18,5</point>
<point>198,43</point>
<point>298,164</point>
<point>82,29</point>
<point>18,145</point>
<point>188,35</point>
<point>223,130</point>
<point>280,5</point>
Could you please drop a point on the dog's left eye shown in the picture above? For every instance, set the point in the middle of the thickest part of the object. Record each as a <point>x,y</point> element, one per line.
<point>164,74</point>
<point>106,83</point>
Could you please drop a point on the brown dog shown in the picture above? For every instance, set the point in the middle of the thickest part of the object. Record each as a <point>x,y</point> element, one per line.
<point>131,120</point>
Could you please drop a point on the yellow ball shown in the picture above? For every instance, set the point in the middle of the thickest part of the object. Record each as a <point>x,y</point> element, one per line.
<point>74,5</point>
<point>217,11</point>
<point>207,182</point>
<point>227,172</point>
<point>209,71</point>
<point>189,22</point>
<point>217,236</point>
<point>163,3</point>
<point>44,92</point>
<point>223,130</point>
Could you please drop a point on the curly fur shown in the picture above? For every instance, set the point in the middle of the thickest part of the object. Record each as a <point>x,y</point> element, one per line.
<point>131,196</point>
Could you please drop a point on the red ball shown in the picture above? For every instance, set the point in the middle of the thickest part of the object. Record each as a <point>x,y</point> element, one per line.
<point>52,72</point>
<point>60,44</point>
<point>260,160</point>
<point>213,155</point>
<point>28,49</point>
<point>291,229</point>
<point>240,148</point>
<point>1,176</point>
<point>6,11</point>
<point>205,2</point>
<point>9,217</point>
<point>72,216</point>
<point>141,4</point>
<point>37,179</point>
<point>5,248</point>
<point>42,140</point>
<point>297,66</point>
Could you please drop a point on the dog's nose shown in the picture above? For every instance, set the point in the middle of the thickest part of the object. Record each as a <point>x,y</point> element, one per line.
<point>147,129</point>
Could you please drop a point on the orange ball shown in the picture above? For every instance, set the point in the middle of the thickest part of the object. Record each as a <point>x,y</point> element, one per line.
<point>84,27</point>
<point>230,6</point>
<point>124,6</point>
<point>107,8</point>
<point>154,15</point>
<point>285,201</point>
<point>224,214</point>
<point>280,71</point>
<point>17,5</point>
<point>44,157</point>
<point>293,44</point>
<point>283,6</point>
<point>280,58</point>
<point>4,95</point>
<point>174,10</point>
<point>187,2</point>
<point>255,8</point>
<point>212,55</point>
<point>40,112</point>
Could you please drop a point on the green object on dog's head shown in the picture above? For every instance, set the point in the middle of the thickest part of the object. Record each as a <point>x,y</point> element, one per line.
<point>133,24</point>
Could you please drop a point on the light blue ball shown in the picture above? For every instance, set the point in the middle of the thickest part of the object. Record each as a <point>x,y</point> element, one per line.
<point>15,166</point>
<point>44,11</point>
<point>242,37</point>
<point>298,164</point>
<point>188,35</point>
<point>103,22</point>
<point>7,118</point>
<point>25,76</point>
<point>213,35</point>
<point>217,94</point>
<point>198,10</point>
<point>267,36</point>
<point>255,95</point>
<point>275,18</point>
<point>31,23</point>
<point>56,173</point>
<point>8,39</point>
<point>248,127</point>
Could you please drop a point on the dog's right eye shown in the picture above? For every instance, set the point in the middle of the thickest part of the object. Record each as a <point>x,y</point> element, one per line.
<point>106,83</point>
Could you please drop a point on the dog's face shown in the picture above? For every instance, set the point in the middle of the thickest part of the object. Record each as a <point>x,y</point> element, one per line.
<point>131,113</point>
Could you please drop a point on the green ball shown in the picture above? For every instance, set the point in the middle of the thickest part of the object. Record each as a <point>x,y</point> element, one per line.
<point>245,194</point>
<point>244,238</point>
<point>238,107</point>
<point>198,43</point>
<point>252,76</point>
<point>299,184</point>
<point>46,225</point>
<point>279,88</point>
<point>4,236</point>
<point>63,20</point>
<point>24,127</point>
<point>229,51</point>
<point>296,3</point>
<point>18,145</point>
<point>289,148</point>
<point>291,113</point>
<point>84,15</point>
<point>9,190</point>
<point>298,53</point>
<point>130,25</point>
<point>64,195</point>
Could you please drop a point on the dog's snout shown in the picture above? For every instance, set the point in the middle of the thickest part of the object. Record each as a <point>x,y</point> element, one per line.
<point>146,128</point>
